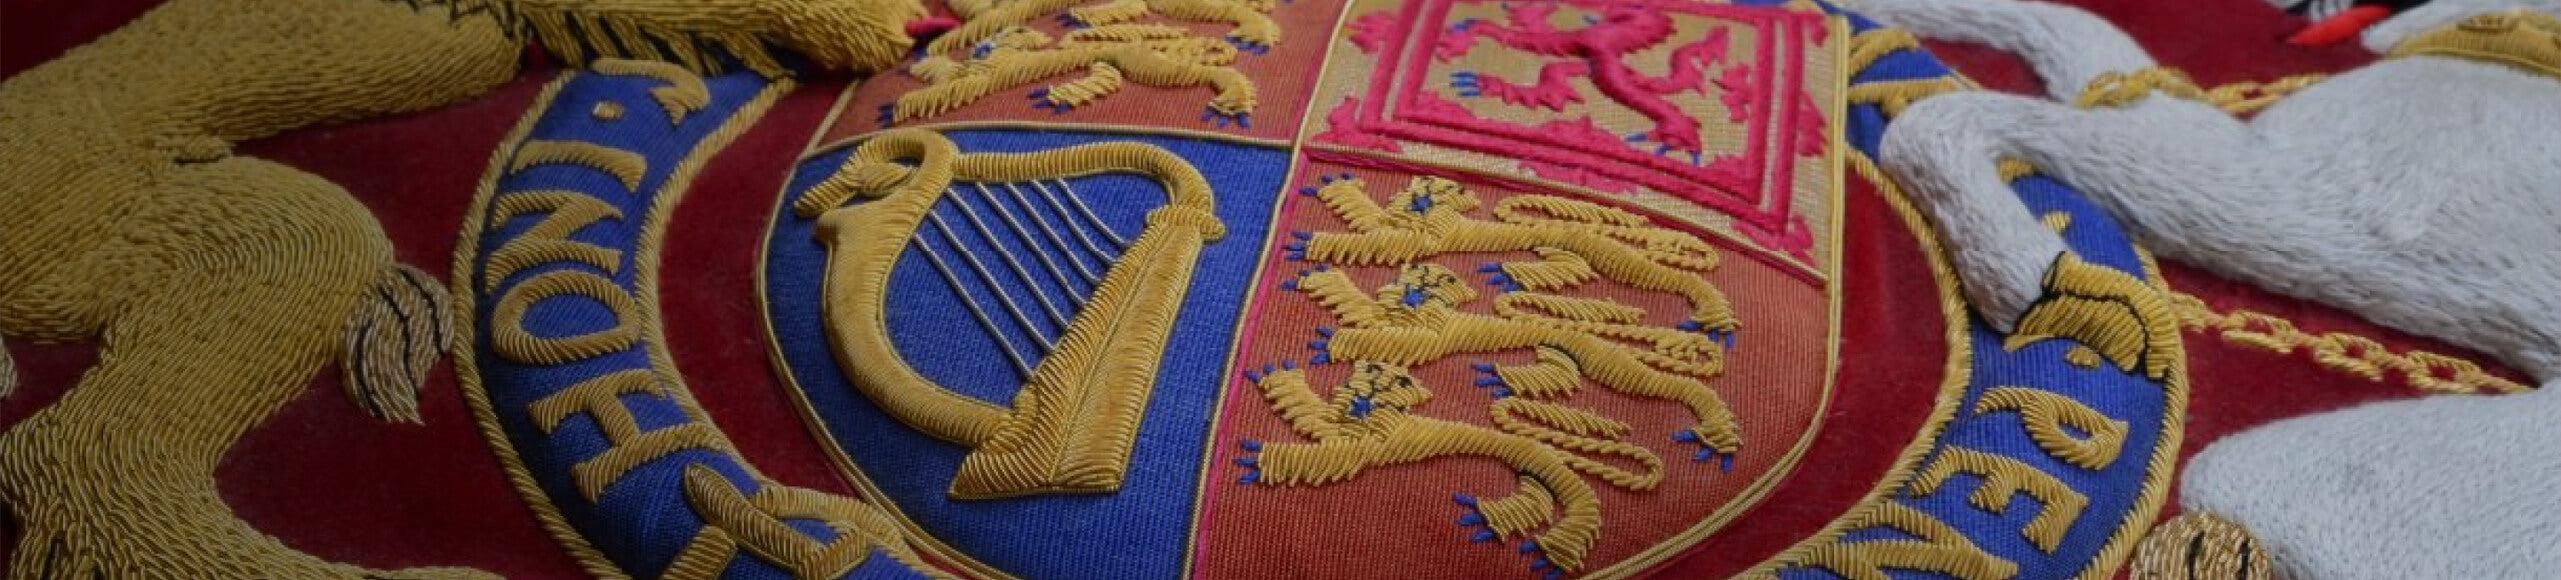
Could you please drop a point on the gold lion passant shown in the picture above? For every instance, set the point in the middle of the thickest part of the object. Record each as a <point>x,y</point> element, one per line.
<point>218,284</point>
<point>1420,317</point>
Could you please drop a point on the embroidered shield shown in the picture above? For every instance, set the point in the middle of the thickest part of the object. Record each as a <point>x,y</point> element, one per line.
<point>1229,288</point>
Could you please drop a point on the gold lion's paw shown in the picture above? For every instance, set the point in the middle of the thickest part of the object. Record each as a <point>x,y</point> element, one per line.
<point>2114,315</point>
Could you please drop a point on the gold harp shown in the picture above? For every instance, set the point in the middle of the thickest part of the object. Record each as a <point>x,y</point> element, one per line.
<point>1075,418</point>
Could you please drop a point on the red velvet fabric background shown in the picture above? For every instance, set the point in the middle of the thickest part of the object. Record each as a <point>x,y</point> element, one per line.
<point>330,482</point>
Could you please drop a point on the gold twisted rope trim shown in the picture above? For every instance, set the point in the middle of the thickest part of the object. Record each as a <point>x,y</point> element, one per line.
<point>2341,352</point>
<point>2118,89</point>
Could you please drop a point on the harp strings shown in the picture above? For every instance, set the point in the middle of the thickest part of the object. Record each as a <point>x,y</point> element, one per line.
<point>1022,256</point>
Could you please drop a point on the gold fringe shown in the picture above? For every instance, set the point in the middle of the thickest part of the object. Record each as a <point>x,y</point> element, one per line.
<point>2201,546</point>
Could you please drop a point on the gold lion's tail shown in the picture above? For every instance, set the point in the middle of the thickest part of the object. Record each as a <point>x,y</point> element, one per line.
<point>393,339</point>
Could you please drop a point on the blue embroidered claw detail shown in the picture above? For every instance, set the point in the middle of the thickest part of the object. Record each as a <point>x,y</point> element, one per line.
<point>1539,562</point>
<point>1466,83</point>
<point>1309,191</point>
<point>1297,250</point>
<point>1500,279</point>
<point>1322,346</point>
<point>1248,45</point>
<point>1725,461</point>
<point>1475,520</point>
<point>1241,120</point>
<point>982,50</point>
<point>1070,21</point>
<point>1491,378</point>
<point>1252,461</point>
<point>888,114</point>
<point>1462,24</point>
<point>1293,283</point>
<point>1724,337</point>
<point>1040,100</point>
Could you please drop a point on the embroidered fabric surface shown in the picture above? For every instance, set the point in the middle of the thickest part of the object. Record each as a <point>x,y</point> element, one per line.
<point>1215,289</point>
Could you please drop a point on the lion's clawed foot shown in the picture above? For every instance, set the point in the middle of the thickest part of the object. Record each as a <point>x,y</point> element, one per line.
<point>1553,374</point>
<point>2113,314</point>
<point>1520,515</point>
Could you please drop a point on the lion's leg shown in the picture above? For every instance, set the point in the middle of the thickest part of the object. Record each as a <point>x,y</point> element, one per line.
<point>1101,80</point>
<point>1349,198</point>
<point>1338,294</point>
<point>233,286</point>
<point>1611,258</point>
<point>1553,374</point>
<point>1235,98</point>
<point>1620,369</point>
<point>1551,495</point>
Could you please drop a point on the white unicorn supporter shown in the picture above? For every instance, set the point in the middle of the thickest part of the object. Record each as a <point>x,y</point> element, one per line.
<point>2422,192</point>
